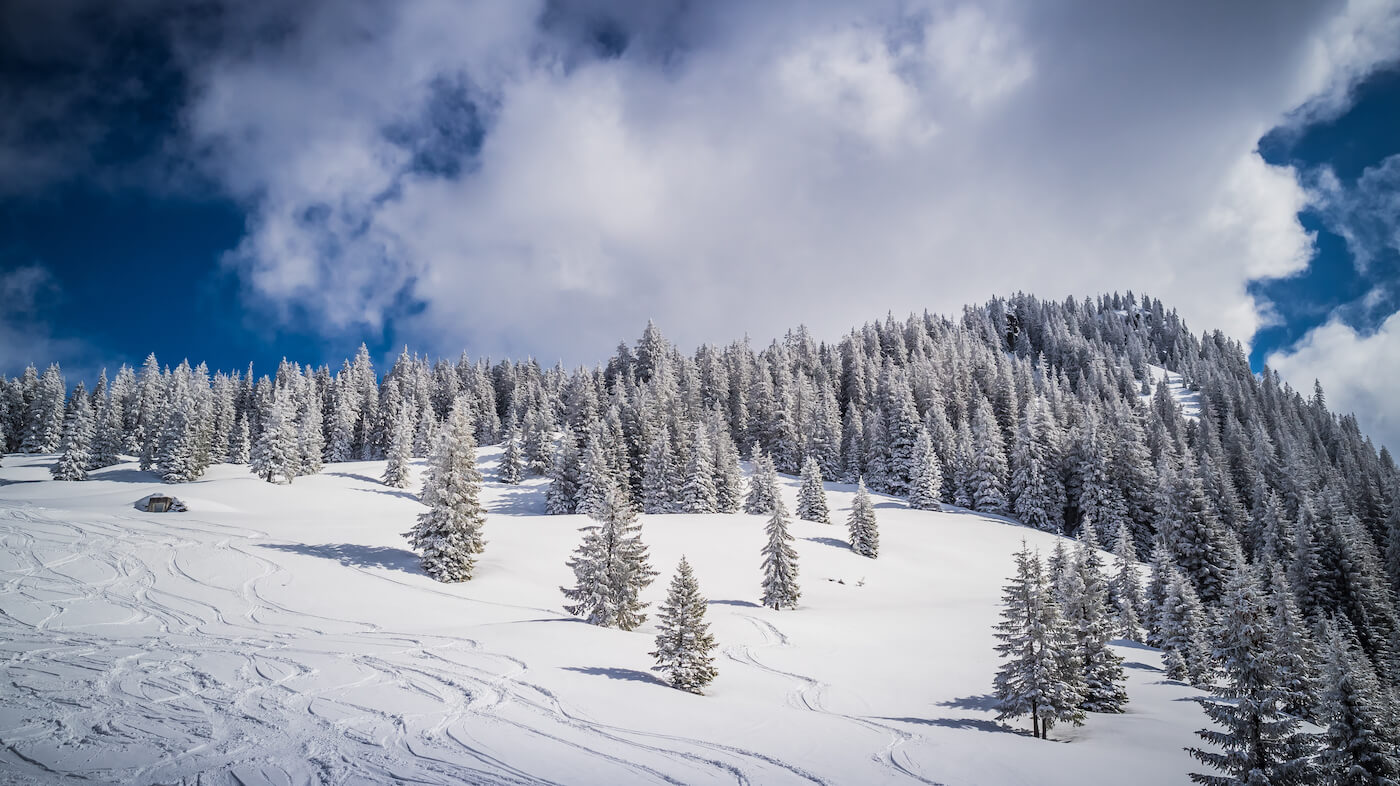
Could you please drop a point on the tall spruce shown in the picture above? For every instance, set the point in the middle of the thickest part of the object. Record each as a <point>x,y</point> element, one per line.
<point>780,590</point>
<point>610,567</point>
<point>864,530</point>
<point>75,442</point>
<point>811,497</point>
<point>683,642</point>
<point>448,535</point>
<point>926,485</point>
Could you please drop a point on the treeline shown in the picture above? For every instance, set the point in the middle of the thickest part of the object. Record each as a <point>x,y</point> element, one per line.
<point>1043,411</point>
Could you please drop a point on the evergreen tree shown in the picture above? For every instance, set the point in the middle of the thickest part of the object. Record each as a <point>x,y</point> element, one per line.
<point>763,486</point>
<point>1296,653</point>
<point>562,495</point>
<point>1038,497</point>
<point>595,479</point>
<point>512,469</point>
<point>660,479</point>
<point>729,478</point>
<point>238,443</point>
<point>811,498</point>
<point>698,493</point>
<point>1259,744</point>
<point>926,486</point>
<point>865,532</point>
<point>1181,624</point>
<point>987,473</point>
<point>275,453</point>
<point>108,440</point>
<point>780,590</point>
<point>1085,608</point>
<point>1041,677</point>
<point>684,643</point>
<point>1125,588</point>
<point>448,534</point>
<point>1360,747</point>
<point>399,453</point>
<point>75,443</point>
<point>610,568</point>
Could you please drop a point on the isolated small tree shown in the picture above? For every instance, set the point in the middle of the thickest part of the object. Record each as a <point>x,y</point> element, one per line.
<point>926,486</point>
<point>1041,677</point>
<point>610,567</point>
<point>75,443</point>
<point>512,469</point>
<point>811,498</point>
<point>865,533</point>
<point>399,453</point>
<point>448,535</point>
<point>780,590</point>
<point>684,643</point>
<point>763,485</point>
<point>1259,743</point>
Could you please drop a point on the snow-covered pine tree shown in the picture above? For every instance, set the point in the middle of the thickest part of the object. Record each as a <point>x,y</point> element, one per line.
<point>763,485</point>
<point>698,493</point>
<point>1085,609</point>
<point>399,451</point>
<point>238,442</point>
<point>988,470</point>
<point>560,498</point>
<point>1181,622</point>
<point>926,486</point>
<point>448,535</point>
<point>1125,588</point>
<point>1298,656</point>
<point>595,478</point>
<point>1259,743</point>
<point>512,469</point>
<point>811,497</point>
<point>684,643</point>
<point>780,590</point>
<point>1038,496</point>
<point>729,477</point>
<point>610,567</point>
<point>1041,677</point>
<point>1359,742</point>
<point>310,427</point>
<point>108,439</point>
<point>865,532</point>
<point>44,419</point>
<point>275,453</point>
<point>660,477</point>
<point>75,442</point>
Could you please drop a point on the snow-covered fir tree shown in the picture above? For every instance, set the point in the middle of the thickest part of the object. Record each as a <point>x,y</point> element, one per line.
<point>763,486</point>
<point>1041,676</point>
<point>399,453</point>
<point>239,444</point>
<point>596,479</point>
<point>561,498</point>
<point>864,530</point>
<point>448,535</point>
<point>698,493</point>
<point>1359,744</point>
<point>611,567</point>
<point>1125,587</point>
<point>512,468</point>
<point>1257,743</point>
<point>1084,602</point>
<point>988,473</point>
<point>684,644</point>
<point>660,476</point>
<point>275,454</point>
<point>811,497</point>
<point>780,590</point>
<point>75,441</point>
<point>926,485</point>
<point>1181,625</point>
<point>728,475</point>
<point>108,439</point>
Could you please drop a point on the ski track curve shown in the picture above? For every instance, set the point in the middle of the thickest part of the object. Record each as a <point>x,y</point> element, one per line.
<point>809,695</point>
<point>124,665</point>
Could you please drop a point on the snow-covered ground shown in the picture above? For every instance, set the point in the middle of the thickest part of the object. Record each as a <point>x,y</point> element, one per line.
<point>1189,400</point>
<point>284,634</point>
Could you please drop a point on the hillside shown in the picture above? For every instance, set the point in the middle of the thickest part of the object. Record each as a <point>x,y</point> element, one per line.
<point>283,634</point>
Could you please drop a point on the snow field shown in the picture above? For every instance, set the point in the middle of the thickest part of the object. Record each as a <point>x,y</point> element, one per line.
<point>284,634</point>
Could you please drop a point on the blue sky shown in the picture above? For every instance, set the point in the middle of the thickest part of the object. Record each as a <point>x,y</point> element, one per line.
<point>236,182</point>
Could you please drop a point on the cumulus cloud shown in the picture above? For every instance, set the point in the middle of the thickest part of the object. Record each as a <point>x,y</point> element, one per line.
<point>742,168</point>
<point>1357,371</point>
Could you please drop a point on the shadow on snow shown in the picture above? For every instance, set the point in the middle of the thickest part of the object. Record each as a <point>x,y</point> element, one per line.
<point>354,554</point>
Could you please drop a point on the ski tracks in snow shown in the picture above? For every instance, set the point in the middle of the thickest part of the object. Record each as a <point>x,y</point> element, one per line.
<point>810,694</point>
<point>143,652</point>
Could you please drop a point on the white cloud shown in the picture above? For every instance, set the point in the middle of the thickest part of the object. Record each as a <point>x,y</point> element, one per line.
<point>1358,373</point>
<point>763,169</point>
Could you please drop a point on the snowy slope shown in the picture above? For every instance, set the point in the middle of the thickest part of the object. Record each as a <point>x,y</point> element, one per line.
<point>283,634</point>
<point>1189,400</point>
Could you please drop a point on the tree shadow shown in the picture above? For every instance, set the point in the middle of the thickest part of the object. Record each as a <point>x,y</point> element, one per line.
<point>973,724</point>
<point>745,603</point>
<point>1133,645</point>
<point>392,492</point>
<point>986,703</point>
<point>629,675</point>
<point>1132,664</point>
<point>126,475</point>
<point>840,544</point>
<point>4,482</point>
<point>354,476</point>
<point>520,502</point>
<point>354,555</point>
